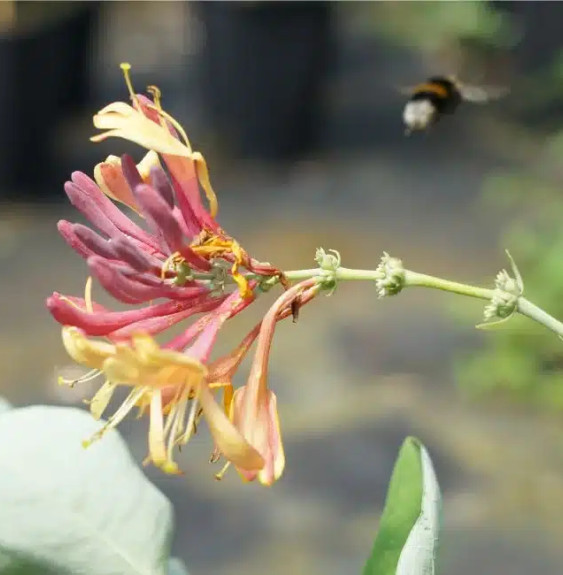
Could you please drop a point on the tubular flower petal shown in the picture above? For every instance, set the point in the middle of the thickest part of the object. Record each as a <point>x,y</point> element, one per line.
<point>254,406</point>
<point>111,180</point>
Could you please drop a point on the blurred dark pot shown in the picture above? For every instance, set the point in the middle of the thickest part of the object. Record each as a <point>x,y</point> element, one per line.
<point>44,71</point>
<point>264,64</point>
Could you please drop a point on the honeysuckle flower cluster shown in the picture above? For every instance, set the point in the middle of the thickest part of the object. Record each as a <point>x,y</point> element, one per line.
<point>178,265</point>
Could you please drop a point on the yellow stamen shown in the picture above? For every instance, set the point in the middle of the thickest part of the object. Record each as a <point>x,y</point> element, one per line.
<point>190,426</point>
<point>82,379</point>
<point>125,68</point>
<point>155,92</point>
<point>240,280</point>
<point>219,476</point>
<point>174,258</point>
<point>70,302</point>
<point>215,246</point>
<point>174,123</point>
<point>203,175</point>
<point>118,416</point>
<point>88,295</point>
<point>87,298</point>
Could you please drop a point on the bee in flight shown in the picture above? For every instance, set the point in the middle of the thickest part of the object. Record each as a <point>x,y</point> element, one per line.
<point>441,95</point>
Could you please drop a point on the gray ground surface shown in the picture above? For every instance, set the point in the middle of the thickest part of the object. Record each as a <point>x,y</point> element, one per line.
<point>354,376</point>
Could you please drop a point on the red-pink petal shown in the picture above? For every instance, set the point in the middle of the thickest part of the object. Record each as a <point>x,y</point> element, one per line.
<point>160,215</point>
<point>110,211</point>
<point>103,322</point>
<point>116,183</point>
<point>159,324</point>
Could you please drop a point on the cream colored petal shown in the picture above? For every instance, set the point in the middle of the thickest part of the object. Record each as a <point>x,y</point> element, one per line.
<point>91,353</point>
<point>149,161</point>
<point>119,108</point>
<point>125,122</point>
<point>124,372</point>
<point>228,440</point>
<point>157,446</point>
<point>101,399</point>
<point>273,470</point>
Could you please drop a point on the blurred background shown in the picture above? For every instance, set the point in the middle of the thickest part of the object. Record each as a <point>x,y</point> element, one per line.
<point>296,107</point>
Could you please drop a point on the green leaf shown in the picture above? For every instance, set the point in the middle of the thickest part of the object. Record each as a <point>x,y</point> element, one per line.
<point>68,510</point>
<point>406,543</point>
<point>176,567</point>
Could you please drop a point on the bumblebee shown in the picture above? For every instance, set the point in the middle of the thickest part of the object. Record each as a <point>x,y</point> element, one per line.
<point>441,95</point>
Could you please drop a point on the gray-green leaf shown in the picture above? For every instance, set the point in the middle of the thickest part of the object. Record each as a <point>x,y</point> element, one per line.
<point>176,567</point>
<point>69,510</point>
<point>5,405</point>
<point>408,536</point>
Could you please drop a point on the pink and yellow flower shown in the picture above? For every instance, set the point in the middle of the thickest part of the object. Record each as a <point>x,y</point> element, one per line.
<point>181,265</point>
<point>175,386</point>
<point>182,243</point>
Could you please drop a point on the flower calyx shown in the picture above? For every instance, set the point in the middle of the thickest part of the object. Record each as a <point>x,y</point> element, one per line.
<point>392,276</point>
<point>504,302</point>
<point>329,262</point>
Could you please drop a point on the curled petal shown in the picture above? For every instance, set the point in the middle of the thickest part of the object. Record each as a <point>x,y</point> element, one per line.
<point>110,179</point>
<point>260,427</point>
<point>122,121</point>
<point>84,351</point>
<point>227,438</point>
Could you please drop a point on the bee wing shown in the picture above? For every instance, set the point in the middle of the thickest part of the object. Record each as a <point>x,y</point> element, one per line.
<point>483,70</point>
<point>481,95</point>
<point>405,90</point>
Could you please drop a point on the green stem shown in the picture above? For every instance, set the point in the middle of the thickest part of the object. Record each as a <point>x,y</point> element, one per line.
<point>415,279</point>
<point>423,280</point>
<point>540,316</point>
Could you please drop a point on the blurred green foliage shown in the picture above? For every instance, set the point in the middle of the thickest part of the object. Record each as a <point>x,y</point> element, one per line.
<point>518,359</point>
<point>522,359</point>
<point>434,25</point>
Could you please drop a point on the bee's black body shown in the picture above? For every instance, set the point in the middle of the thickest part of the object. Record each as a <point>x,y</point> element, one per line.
<point>441,92</point>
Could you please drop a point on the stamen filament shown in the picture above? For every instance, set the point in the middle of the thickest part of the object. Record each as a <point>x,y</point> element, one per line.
<point>126,67</point>
<point>88,295</point>
<point>89,376</point>
<point>119,415</point>
<point>183,439</point>
<point>219,476</point>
